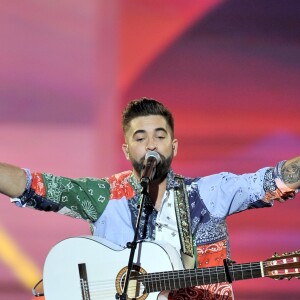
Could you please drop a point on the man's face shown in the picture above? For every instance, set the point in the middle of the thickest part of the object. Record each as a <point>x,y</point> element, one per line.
<point>150,133</point>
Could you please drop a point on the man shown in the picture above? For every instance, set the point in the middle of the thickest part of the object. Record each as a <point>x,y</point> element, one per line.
<point>111,204</point>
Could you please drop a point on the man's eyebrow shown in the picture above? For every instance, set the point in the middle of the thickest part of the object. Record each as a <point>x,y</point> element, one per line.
<point>144,131</point>
<point>161,129</point>
<point>139,131</point>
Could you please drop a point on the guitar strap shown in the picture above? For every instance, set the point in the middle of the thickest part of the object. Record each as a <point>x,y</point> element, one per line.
<point>184,223</point>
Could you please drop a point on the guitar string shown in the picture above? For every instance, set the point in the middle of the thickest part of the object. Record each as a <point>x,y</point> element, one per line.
<point>105,284</point>
<point>100,293</point>
<point>110,290</point>
<point>194,272</point>
<point>200,271</point>
<point>187,273</point>
<point>182,274</point>
<point>165,276</point>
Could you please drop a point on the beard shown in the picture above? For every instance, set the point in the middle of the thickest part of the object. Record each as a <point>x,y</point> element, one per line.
<point>162,168</point>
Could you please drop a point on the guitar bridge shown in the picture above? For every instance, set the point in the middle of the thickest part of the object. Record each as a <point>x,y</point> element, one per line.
<point>85,292</point>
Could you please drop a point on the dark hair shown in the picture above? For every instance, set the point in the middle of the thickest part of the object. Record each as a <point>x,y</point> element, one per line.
<point>145,107</point>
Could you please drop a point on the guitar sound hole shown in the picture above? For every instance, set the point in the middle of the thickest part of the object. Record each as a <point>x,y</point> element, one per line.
<point>136,288</point>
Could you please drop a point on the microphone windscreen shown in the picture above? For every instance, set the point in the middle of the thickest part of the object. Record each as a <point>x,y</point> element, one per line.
<point>153,154</point>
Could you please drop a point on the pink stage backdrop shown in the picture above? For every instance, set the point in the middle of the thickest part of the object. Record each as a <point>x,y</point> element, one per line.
<point>229,70</point>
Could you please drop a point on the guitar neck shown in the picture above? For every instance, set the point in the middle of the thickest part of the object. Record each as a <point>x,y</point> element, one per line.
<point>174,280</point>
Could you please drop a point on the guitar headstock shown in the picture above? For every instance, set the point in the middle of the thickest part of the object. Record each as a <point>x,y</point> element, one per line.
<point>284,266</point>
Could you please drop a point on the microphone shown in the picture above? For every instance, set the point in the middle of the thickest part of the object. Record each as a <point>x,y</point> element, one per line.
<point>152,159</point>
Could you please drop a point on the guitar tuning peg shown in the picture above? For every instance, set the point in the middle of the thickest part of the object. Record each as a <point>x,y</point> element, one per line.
<point>275,254</point>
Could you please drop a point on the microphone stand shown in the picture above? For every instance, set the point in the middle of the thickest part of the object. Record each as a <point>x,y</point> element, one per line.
<point>132,245</point>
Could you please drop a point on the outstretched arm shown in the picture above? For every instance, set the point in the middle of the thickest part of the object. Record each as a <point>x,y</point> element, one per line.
<point>12,180</point>
<point>290,173</point>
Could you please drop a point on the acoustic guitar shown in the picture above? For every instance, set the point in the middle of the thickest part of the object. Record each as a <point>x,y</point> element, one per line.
<point>91,268</point>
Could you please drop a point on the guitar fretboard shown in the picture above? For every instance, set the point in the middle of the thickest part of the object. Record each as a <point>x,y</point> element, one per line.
<point>174,280</point>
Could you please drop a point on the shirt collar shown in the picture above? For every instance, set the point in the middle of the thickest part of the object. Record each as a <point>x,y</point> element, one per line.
<point>171,182</point>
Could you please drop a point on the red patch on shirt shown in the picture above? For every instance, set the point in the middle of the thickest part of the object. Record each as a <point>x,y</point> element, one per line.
<point>119,186</point>
<point>38,184</point>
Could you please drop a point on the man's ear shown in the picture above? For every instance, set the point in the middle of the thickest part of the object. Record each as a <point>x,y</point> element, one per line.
<point>175,146</point>
<point>125,151</point>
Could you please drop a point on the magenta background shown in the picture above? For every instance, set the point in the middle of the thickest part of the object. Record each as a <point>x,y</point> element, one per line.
<point>229,70</point>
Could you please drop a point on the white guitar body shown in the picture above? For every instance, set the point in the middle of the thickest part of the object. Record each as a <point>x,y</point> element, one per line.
<point>69,260</point>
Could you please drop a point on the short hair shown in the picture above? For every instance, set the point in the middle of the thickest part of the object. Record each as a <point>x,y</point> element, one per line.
<point>145,107</point>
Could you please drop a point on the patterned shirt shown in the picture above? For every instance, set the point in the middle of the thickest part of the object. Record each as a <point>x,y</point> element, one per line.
<point>111,207</point>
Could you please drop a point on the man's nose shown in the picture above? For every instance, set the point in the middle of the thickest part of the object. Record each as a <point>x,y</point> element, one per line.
<point>151,146</point>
